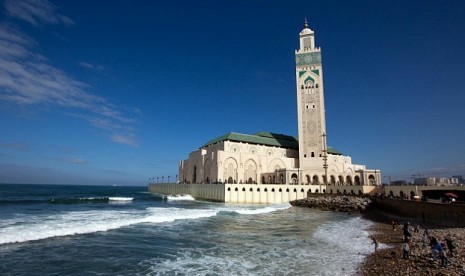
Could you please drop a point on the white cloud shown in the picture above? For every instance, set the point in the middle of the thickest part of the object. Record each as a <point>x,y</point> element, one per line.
<point>26,78</point>
<point>36,12</point>
<point>127,139</point>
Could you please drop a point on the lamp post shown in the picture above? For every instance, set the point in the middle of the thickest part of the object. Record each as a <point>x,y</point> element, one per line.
<point>325,160</point>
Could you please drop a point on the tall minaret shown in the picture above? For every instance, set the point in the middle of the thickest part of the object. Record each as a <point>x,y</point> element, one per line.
<point>310,102</point>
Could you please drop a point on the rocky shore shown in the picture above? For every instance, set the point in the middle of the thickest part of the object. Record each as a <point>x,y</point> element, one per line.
<point>338,203</point>
<point>389,260</point>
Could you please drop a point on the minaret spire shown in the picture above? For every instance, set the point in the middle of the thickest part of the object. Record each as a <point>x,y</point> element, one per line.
<point>305,23</point>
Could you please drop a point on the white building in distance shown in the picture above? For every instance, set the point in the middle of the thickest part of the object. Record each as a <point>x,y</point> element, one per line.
<point>269,158</point>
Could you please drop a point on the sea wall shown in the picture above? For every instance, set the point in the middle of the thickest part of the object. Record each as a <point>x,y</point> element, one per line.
<point>253,193</point>
<point>450,215</point>
<point>210,192</point>
<point>237,193</point>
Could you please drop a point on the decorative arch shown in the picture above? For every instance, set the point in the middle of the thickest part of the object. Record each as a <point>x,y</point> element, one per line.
<point>276,164</point>
<point>250,171</point>
<point>357,180</point>
<point>349,180</point>
<point>349,171</point>
<point>341,180</point>
<point>194,175</point>
<point>207,170</point>
<point>308,179</point>
<point>294,178</point>
<point>315,180</point>
<point>332,180</point>
<point>230,170</point>
<point>371,180</point>
<point>253,150</point>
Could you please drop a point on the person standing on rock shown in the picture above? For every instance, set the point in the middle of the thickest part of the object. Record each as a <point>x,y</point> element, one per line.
<point>375,242</point>
<point>450,245</point>
<point>406,250</point>
<point>406,232</point>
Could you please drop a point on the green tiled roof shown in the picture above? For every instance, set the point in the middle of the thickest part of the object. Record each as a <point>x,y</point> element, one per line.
<point>264,138</point>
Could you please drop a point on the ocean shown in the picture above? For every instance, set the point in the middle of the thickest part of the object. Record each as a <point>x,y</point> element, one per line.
<point>104,230</point>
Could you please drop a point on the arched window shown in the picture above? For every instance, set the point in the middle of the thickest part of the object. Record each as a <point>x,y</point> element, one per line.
<point>371,180</point>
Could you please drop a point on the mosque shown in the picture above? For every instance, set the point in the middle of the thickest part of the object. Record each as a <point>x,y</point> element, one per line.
<point>270,158</point>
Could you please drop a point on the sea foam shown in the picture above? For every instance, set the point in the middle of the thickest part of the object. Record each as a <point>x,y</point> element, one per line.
<point>27,228</point>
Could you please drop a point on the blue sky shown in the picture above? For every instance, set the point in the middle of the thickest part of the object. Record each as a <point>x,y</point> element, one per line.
<point>116,92</point>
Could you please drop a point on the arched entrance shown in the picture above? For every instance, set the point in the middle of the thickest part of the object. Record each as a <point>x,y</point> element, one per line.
<point>371,180</point>
<point>294,178</point>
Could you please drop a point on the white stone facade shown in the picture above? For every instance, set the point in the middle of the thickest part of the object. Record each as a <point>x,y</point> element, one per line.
<point>267,158</point>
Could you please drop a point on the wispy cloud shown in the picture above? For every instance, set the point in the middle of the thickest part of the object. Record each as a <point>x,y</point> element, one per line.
<point>15,146</point>
<point>91,66</point>
<point>27,78</point>
<point>77,161</point>
<point>36,12</point>
<point>126,139</point>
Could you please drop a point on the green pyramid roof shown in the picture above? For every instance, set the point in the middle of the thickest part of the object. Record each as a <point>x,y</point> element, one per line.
<point>264,138</point>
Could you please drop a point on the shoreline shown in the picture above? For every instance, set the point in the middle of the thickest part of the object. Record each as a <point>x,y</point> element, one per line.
<point>388,260</point>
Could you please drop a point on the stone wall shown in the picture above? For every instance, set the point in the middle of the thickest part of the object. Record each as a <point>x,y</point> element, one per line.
<point>450,215</point>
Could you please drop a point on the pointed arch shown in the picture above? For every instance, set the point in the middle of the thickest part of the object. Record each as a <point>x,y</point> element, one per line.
<point>230,170</point>
<point>250,171</point>
<point>276,164</point>
<point>207,170</point>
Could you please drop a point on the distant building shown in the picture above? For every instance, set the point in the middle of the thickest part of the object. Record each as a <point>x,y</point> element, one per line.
<point>399,183</point>
<point>460,178</point>
<point>425,181</point>
<point>436,181</point>
<point>268,158</point>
